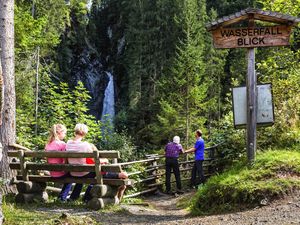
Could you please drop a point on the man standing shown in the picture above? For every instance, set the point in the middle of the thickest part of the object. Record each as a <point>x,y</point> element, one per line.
<point>172,151</point>
<point>199,157</point>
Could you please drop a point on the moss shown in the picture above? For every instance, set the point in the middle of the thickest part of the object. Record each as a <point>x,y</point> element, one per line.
<point>274,174</point>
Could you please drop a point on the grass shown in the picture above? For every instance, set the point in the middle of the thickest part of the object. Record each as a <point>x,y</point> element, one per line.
<point>16,214</point>
<point>29,214</point>
<point>274,174</point>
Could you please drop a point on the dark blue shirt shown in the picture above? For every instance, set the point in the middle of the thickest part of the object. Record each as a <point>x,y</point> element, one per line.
<point>199,152</point>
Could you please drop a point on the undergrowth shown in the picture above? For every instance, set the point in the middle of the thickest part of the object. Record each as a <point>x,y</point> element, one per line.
<point>274,174</point>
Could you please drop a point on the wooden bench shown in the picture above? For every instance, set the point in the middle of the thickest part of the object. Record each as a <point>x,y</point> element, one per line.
<point>31,184</point>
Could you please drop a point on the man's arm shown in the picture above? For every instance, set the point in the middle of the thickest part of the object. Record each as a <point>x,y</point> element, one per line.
<point>190,150</point>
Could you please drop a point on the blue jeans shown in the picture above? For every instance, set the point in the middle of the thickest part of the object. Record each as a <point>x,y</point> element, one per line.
<point>87,196</point>
<point>65,190</point>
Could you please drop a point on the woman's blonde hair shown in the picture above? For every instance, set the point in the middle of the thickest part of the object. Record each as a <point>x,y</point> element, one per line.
<point>55,129</point>
<point>81,129</point>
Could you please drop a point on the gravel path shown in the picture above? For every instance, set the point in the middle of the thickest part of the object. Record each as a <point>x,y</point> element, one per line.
<point>161,209</point>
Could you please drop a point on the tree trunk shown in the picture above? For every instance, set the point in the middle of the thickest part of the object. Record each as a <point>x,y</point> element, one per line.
<point>8,126</point>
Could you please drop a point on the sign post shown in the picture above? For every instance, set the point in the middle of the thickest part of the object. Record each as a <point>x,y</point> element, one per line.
<point>251,37</point>
<point>251,102</point>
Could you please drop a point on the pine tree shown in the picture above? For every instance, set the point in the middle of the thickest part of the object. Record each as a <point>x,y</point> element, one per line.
<point>214,74</point>
<point>182,104</point>
<point>149,33</point>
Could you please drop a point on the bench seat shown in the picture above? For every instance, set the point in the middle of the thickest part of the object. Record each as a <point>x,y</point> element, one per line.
<point>66,167</point>
<point>44,178</point>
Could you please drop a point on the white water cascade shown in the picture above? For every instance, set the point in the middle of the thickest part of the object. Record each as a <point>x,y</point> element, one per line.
<point>108,111</point>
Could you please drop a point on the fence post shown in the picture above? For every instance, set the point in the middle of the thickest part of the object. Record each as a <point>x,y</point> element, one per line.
<point>98,168</point>
<point>23,166</point>
<point>115,160</point>
<point>155,171</point>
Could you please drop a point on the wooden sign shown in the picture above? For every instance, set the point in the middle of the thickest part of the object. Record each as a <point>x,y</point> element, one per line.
<point>251,37</point>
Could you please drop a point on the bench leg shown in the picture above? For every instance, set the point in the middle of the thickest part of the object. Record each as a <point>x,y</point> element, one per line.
<point>30,192</point>
<point>100,203</point>
<point>25,198</point>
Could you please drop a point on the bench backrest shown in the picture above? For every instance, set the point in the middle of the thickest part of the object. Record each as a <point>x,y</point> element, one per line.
<point>25,163</point>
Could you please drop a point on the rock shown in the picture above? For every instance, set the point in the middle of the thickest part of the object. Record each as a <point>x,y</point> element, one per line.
<point>264,202</point>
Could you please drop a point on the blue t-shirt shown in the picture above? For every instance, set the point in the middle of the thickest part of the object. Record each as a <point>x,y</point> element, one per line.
<point>199,152</point>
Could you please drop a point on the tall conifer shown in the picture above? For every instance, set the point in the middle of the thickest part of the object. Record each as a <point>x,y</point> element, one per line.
<point>182,104</point>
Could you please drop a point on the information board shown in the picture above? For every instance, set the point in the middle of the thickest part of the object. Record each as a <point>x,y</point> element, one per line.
<point>265,110</point>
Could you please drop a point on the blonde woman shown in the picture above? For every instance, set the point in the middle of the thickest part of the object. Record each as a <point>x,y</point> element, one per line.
<point>56,143</point>
<point>78,145</point>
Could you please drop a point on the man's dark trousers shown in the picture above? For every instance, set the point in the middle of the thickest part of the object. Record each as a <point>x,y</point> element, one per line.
<point>197,170</point>
<point>172,163</point>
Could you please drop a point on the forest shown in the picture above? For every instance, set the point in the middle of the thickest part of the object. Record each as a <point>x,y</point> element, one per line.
<point>168,78</point>
<point>138,73</point>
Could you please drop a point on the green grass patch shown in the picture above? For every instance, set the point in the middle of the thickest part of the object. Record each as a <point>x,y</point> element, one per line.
<point>18,214</point>
<point>36,213</point>
<point>274,174</point>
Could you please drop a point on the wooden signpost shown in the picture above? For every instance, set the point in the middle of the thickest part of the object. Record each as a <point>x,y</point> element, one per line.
<point>251,37</point>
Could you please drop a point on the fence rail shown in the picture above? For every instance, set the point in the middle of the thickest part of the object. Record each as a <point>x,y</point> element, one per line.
<point>150,179</point>
<point>148,175</point>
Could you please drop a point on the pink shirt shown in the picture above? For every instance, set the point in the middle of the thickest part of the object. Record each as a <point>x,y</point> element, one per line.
<point>56,146</point>
<point>78,146</point>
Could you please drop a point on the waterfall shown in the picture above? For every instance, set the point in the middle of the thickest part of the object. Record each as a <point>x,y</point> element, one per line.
<point>108,111</point>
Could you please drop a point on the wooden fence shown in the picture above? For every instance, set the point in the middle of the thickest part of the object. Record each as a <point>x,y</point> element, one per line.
<point>152,175</point>
<point>148,174</point>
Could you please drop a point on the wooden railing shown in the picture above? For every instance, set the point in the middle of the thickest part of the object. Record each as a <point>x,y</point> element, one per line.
<point>148,174</point>
<point>152,178</point>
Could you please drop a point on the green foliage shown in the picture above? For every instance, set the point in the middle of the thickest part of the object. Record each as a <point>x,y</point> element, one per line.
<point>274,174</point>
<point>226,7</point>
<point>39,24</point>
<point>120,142</point>
<point>150,41</point>
<point>232,142</point>
<point>170,79</point>
<point>58,104</point>
<point>291,7</point>
<point>183,87</point>
<point>282,69</point>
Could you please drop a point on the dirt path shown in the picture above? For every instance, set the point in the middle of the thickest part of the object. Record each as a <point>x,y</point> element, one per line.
<point>161,209</point>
